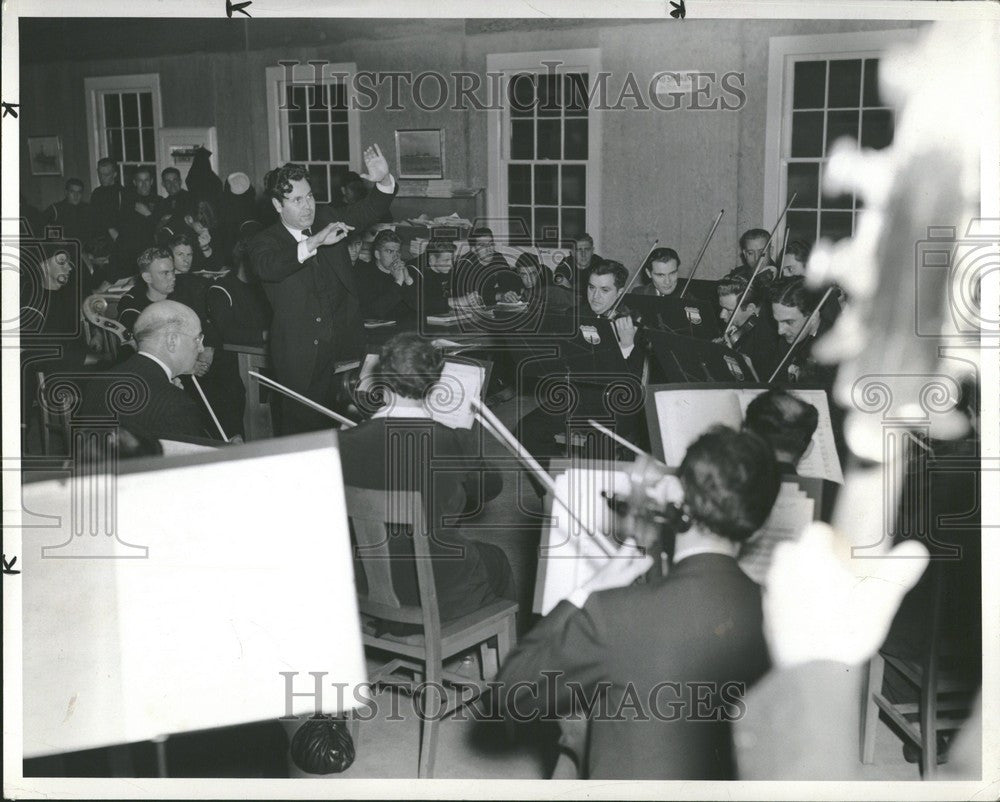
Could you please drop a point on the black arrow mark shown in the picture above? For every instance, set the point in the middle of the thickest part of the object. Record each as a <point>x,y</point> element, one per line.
<point>679,12</point>
<point>11,109</point>
<point>231,7</point>
<point>8,567</point>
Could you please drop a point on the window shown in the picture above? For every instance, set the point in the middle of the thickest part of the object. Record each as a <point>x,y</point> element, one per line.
<point>124,118</point>
<point>544,146</point>
<point>824,88</point>
<point>313,124</point>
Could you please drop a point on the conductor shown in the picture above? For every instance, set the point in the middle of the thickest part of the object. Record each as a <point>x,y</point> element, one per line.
<point>306,271</point>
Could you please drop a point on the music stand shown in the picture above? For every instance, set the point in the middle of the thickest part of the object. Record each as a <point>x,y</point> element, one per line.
<point>689,360</point>
<point>690,316</point>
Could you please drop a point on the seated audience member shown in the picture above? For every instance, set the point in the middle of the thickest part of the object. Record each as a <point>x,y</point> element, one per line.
<point>483,270</point>
<point>179,201</point>
<point>468,574</point>
<point>672,656</point>
<point>750,329</point>
<point>792,307</point>
<point>539,429</point>
<point>354,246</point>
<point>72,214</point>
<point>753,245</point>
<point>107,204</point>
<point>660,273</point>
<point>208,238</point>
<point>51,333</point>
<point>535,280</point>
<point>435,271</point>
<point>191,290</point>
<point>784,421</point>
<point>169,339</point>
<point>387,289</point>
<point>582,260</point>
<point>156,280</point>
<point>136,225</point>
<point>794,259</point>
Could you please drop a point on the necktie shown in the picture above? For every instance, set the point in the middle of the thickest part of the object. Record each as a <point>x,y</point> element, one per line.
<point>307,231</point>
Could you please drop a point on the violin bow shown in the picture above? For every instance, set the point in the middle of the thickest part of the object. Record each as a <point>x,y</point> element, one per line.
<point>760,264</point>
<point>800,337</point>
<point>633,277</point>
<point>347,423</point>
<point>495,427</point>
<point>208,406</point>
<point>701,253</point>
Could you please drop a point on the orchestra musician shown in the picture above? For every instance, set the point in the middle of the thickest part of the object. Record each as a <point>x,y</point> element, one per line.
<point>750,329</point>
<point>754,244</point>
<point>384,453</point>
<point>792,306</point>
<point>649,645</point>
<point>661,272</point>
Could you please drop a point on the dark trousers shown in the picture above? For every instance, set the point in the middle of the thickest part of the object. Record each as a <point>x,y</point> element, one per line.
<point>296,417</point>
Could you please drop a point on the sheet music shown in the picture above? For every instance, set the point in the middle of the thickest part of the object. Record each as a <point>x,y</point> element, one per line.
<point>173,447</point>
<point>568,556</point>
<point>685,414</point>
<point>793,511</point>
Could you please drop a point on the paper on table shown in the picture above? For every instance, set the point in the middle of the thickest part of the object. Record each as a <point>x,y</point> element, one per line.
<point>793,511</point>
<point>568,556</point>
<point>174,447</point>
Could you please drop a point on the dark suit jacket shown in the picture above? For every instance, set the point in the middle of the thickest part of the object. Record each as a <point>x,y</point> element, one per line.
<point>700,628</point>
<point>160,409</point>
<point>315,303</point>
<point>402,454</point>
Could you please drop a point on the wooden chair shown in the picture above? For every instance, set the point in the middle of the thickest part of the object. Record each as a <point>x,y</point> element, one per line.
<point>945,698</point>
<point>371,514</point>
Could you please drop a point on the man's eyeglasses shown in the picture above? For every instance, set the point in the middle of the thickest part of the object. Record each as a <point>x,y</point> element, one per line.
<point>200,338</point>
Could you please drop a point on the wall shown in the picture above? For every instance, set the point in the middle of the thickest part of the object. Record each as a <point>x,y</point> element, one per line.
<point>665,174</point>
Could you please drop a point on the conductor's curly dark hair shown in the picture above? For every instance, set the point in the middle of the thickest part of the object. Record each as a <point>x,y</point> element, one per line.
<point>278,182</point>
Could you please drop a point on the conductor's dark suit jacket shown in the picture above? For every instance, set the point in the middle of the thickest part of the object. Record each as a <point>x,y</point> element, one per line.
<point>315,303</point>
<point>699,629</point>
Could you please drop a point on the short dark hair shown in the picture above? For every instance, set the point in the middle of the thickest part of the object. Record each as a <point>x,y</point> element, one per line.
<point>609,267</point>
<point>784,421</point>
<point>384,236</point>
<point>735,285</point>
<point>105,160</point>
<point>74,182</point>
<point>143,169</point>
<point>753,233</point>
<point>799,249</point>
<point>150,255</point>
<point>792,291</point>
<point>410,365</point>
<point>662,255</point>
<point>730,482</point>
<point>528,260</point>
<point>563,271</point>
<point>439,246</point>
<point>278,182</point>
<point>166,170</point>
<point>585,238</point>
<point>481,231</point>
<point>179,239</point>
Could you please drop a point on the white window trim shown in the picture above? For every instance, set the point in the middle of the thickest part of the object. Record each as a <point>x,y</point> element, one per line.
<point>584,59</point>
<point>782,52</point>
<point>93,87</point>
<point>277,118</point>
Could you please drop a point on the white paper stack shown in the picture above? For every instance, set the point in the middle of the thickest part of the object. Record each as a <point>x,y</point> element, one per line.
<point>793,511</point>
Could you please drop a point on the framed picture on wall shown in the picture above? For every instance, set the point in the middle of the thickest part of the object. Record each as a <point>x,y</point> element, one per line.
<point>420,153</point>
<point>45,155</point>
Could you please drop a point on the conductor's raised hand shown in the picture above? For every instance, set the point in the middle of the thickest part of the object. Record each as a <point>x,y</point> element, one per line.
<point>376,167</point>
<point>334,233</point>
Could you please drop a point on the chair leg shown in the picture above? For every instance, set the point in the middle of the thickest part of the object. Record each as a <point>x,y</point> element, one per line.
<point>869,716</point>
<point>506,638</point>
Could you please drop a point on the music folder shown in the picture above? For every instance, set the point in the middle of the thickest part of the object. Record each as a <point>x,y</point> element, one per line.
<point>690,316</point>
<point>688,360</point>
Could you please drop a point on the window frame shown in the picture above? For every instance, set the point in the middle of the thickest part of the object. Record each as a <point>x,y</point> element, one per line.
<point>95,87</point>
<point>498,145</point>
<point>279,151</point>
<point>783,52</point>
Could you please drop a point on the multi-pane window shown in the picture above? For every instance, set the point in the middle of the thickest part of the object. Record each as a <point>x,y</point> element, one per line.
<point>831,98</point>
<point>129,132</point>
<point>546,168</point>
<point>317,133</point>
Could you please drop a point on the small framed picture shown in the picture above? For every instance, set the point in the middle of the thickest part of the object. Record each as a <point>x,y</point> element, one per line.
<point>420,153</point>
<point>45,155</point>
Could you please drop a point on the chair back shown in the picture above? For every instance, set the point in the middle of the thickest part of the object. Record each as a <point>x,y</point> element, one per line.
<point>375,516</point>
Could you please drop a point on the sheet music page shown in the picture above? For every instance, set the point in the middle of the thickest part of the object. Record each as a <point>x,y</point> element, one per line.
<point>821,459</point>
<point>450,400</point>
<point>793,510</point>
<point>685,415</point>
<point>568,556</point>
